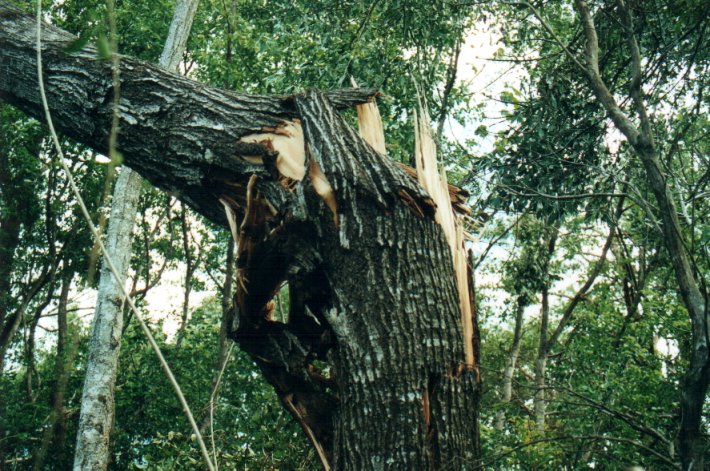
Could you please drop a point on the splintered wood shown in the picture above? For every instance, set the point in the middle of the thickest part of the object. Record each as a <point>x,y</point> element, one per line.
<point>371,130</point>
<point>287,140</point>
<point>450,201</point>
<point>370,124</point>
<point>231,218</point>
<point>297,411</point>
<point>288,143</point>
<point>323,188</point>
<point>434,181</point>
<point>457,195</point>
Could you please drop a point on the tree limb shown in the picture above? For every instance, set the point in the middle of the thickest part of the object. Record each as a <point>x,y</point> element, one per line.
<point>179,134</point>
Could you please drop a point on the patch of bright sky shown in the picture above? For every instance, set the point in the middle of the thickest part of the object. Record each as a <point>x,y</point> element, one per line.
<point>164,301</point>
<point>163,305</point>
<point>484,77</point>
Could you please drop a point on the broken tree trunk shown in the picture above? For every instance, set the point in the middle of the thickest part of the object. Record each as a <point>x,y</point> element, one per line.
<point>372,360</point>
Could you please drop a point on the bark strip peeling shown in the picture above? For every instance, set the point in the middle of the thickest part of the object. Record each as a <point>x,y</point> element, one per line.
<point>435,182</point>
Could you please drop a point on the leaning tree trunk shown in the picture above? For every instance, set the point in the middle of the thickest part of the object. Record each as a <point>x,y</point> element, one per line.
<point>694,387</point>
<point>370,272</point>
<point>97,401</point>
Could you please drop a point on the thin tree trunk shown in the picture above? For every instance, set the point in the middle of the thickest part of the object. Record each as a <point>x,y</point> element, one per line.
<point>543,348</point>
<point>694,388</point>
<point>30,343</point>
<point>227,294</point>
<point>548,342</point>
<point>448,88</point>
<point>189,272</point>
<point>641,138</point>
<point>9,238</point>
<point>14,319</point>
<point>224,328</point>
<point>539,405</point>
<point>97,402</point>
<point>67,343</point>
<point>507,386</point>
<point>11,224</point>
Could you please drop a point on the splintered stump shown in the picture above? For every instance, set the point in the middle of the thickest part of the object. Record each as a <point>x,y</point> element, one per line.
<point>377,359</point>
<point>374,297</point>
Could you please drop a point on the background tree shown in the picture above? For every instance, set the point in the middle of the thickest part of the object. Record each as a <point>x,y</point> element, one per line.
<point>97,405</point>
<point>586,63</point>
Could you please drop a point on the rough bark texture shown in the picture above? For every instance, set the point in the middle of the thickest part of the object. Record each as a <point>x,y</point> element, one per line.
<point>177,133</point>
<point>96,417</point>
<point>374,297</point>
<point>97,400</point>
<point>371,359</point>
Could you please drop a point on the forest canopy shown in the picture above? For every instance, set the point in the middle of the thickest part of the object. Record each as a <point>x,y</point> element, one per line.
<point>310,314</point>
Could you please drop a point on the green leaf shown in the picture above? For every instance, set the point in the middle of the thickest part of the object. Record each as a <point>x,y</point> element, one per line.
<point>481,131</point>
<point>103,49</point>
<point>77,45</point>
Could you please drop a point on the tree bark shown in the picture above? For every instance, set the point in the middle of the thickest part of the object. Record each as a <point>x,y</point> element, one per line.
<point>373,295</point>
<point>373,291</point>
<point>641,138</point>
<point>92,452</point>
<point>67,343</point>
<point>97,400</point>
<point>97,404</point>
<point>180,135</point>
<point>507,386</point>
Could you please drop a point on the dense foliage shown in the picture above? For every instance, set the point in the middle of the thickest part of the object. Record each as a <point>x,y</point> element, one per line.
<point>578,303</point>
